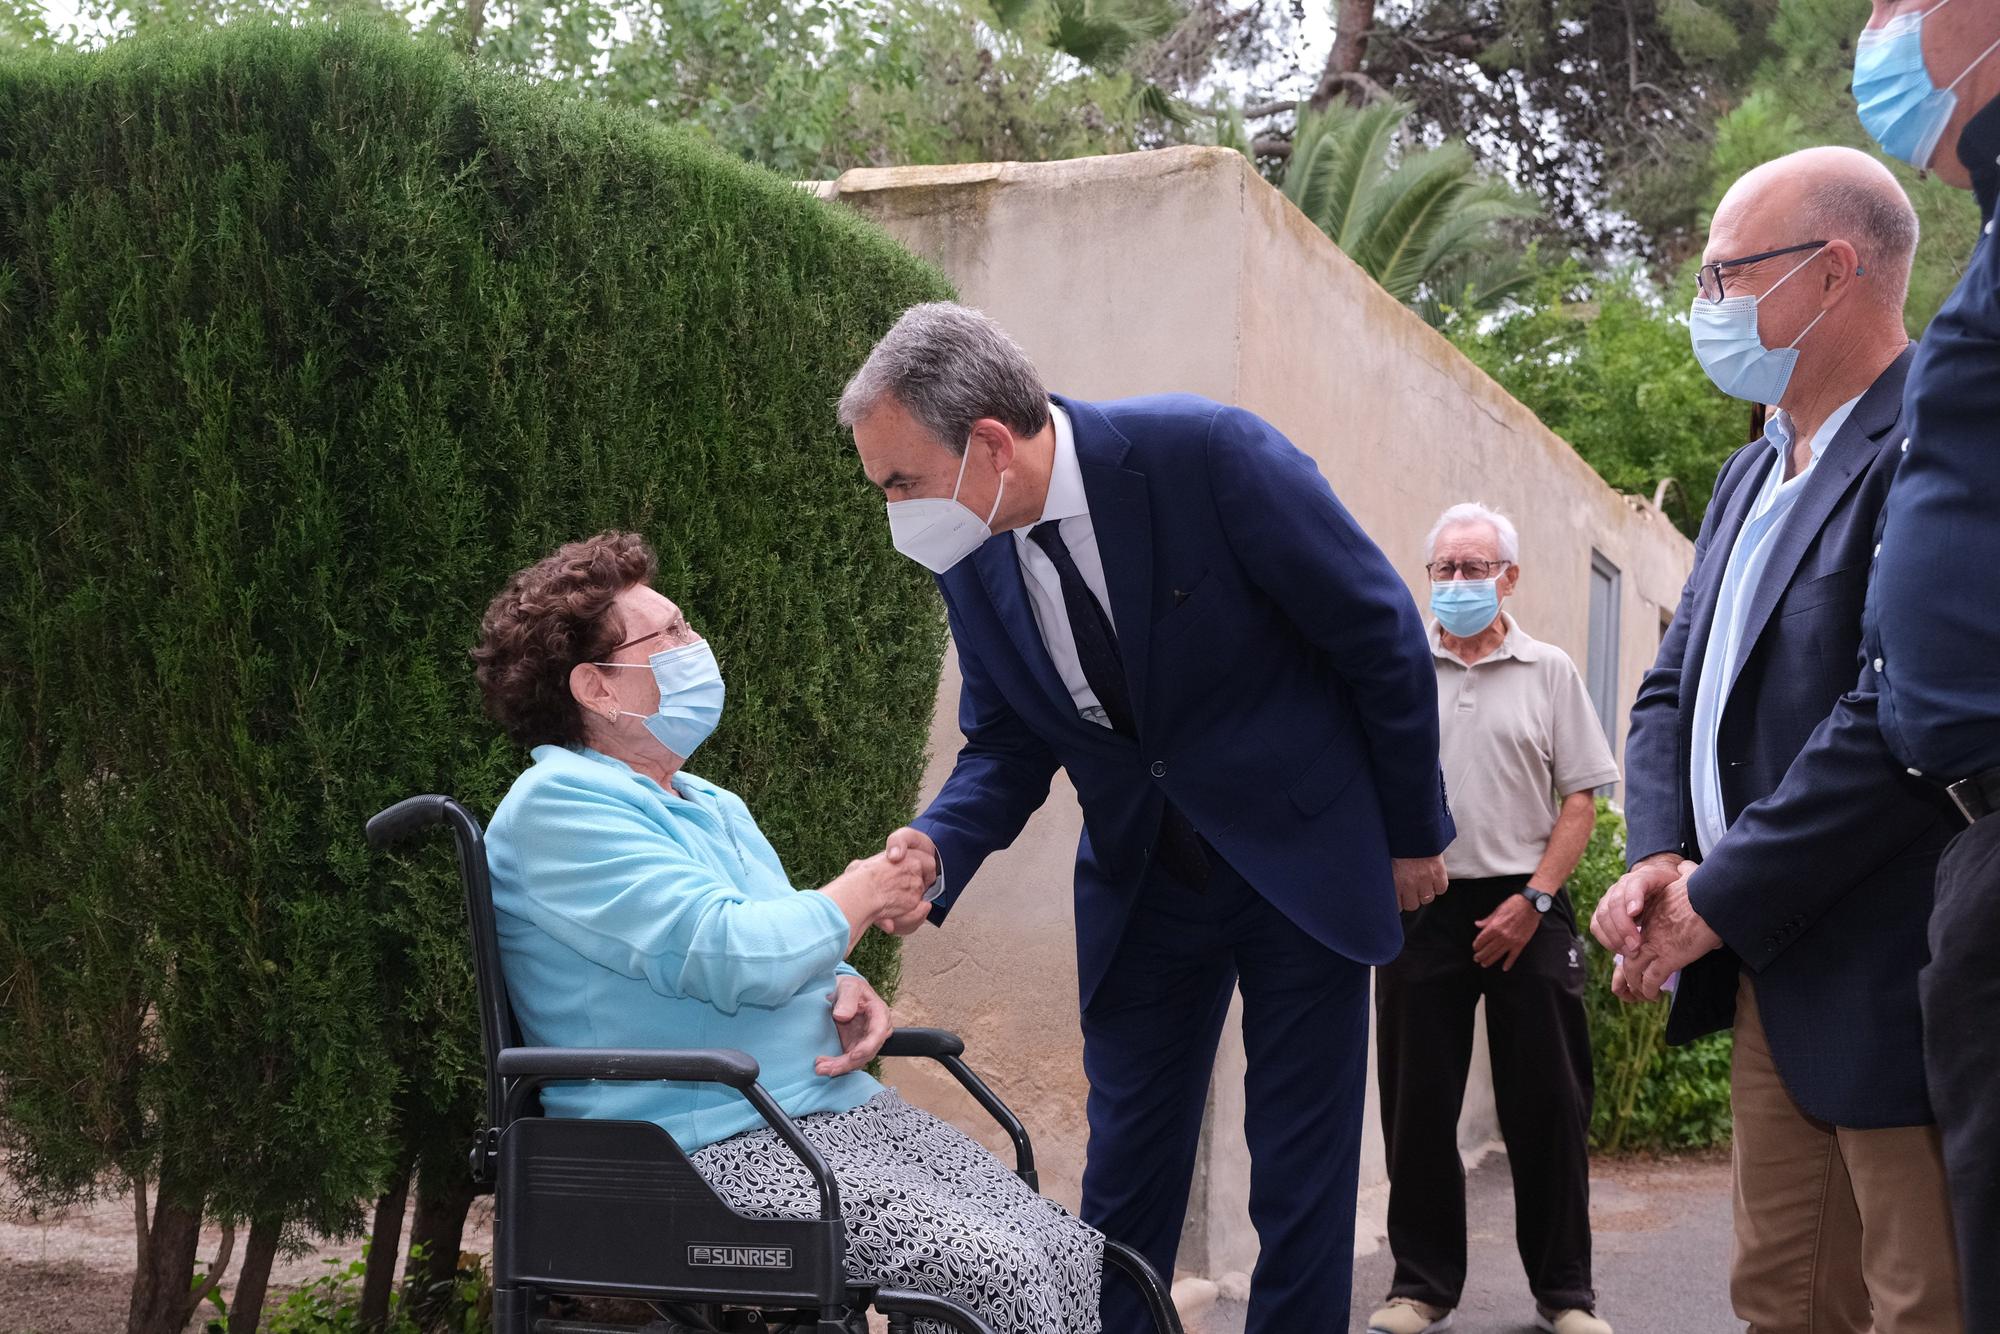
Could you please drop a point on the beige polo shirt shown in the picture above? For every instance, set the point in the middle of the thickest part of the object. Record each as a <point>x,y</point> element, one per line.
<point>1518,734</point>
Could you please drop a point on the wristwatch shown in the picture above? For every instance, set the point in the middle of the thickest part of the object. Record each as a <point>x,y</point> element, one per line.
<point>1543,902</point>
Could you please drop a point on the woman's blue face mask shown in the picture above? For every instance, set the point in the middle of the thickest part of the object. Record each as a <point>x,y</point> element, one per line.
<point>691,694</point>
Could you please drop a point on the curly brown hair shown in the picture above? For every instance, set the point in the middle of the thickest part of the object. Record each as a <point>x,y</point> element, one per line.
<point>550,617</point>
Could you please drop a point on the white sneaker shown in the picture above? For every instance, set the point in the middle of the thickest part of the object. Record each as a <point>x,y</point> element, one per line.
<point>1407,1315</point>
<point>1570,1322</point>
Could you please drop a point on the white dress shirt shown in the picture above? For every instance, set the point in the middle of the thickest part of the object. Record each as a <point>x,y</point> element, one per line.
<point>1747,561</point>
<point>1070,508</point>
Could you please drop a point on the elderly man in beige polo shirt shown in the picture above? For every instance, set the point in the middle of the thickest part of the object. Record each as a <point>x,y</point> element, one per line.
<point>1522,752</point>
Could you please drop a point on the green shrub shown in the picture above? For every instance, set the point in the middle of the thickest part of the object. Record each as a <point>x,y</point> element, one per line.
<point>331,1304</point>
<point>308,338</point>
<point>1649,1095</point>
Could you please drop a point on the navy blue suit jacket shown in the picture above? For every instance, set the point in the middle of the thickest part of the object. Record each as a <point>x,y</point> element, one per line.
<point>1822,885</point>
<point>1283,687</point>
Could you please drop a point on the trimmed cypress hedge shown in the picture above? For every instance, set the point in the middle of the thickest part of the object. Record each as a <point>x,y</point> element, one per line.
<point>308,338</point>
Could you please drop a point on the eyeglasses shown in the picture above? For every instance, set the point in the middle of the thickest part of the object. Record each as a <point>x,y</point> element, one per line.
<point>1709,278</point>
<point>676,633</point>
<point>1442,571</point>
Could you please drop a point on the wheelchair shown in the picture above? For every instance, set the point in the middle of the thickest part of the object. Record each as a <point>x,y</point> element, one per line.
<point>589,1208</point>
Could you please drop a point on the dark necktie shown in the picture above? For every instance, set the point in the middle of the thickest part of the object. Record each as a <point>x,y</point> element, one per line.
<point>1180,846</point>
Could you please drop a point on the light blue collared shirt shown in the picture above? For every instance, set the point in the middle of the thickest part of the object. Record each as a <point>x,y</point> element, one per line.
<point>1747,561</point>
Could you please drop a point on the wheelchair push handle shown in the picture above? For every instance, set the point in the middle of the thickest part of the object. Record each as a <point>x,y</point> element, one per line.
<point>410,816</point>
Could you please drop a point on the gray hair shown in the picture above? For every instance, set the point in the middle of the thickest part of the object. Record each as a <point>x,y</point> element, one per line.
<point>1876,219</point>
<point>1471,513</point>
<point>949,365</point>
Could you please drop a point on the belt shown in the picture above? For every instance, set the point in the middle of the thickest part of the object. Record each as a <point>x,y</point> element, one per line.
<point>1978,796</point>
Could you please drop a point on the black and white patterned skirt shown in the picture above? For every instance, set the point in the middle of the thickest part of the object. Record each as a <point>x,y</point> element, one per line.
<point>927,1209</point>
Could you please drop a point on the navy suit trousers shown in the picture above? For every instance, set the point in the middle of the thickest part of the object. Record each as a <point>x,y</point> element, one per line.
<point>1149,1041</point>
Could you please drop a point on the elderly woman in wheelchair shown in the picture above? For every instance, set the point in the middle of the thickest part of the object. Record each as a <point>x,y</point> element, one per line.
<point>639,906</point>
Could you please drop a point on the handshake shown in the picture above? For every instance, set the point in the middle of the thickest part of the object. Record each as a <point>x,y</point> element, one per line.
<point>891,889</point>
<point>1647,920</point>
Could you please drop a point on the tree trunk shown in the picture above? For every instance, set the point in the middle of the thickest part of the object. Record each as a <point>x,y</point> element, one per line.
<point>163,1279</point>
<point>1353,19</point>
<point>385,1247</point>
<point>439,1230</point>
<point>246,1303</point>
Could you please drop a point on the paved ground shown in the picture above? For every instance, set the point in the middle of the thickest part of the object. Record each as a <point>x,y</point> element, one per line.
<point>1662,1235</point>
<point>1662,1252</point>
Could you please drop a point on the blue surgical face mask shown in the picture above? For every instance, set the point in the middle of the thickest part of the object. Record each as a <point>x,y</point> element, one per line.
<point>691,694</point>
<point>1730,349</point>
<point>1899,104</point>
<point>1464,607</point>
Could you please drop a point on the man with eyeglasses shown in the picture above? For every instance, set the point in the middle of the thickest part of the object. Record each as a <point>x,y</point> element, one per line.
<point>1927,80</point>
<point>1781,858</point>
<point>1522,754</point>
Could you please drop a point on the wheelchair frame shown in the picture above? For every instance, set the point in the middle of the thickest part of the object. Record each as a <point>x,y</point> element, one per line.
<point>590,1207</point>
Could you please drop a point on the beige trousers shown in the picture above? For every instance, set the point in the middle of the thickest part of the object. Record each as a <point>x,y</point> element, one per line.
<point>1838,1231</point>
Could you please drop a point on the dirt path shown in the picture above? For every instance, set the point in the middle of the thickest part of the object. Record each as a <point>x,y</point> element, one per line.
<point>71,1273</point>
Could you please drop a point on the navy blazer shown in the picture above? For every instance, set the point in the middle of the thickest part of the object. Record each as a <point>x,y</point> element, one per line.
<point>1279,672</point>
<point>1822,885</point>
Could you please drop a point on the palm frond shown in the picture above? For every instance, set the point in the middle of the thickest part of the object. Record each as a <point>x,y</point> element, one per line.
<point>1360,139</point>
<point>1155,101</point>
<point>1102,33</point>
<point>1415,203</point>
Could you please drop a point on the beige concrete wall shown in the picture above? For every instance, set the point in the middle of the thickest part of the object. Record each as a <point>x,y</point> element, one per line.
<point>1183,270</point>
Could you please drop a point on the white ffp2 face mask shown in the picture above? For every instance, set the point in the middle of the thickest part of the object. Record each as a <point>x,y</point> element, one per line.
<point>937,533</point>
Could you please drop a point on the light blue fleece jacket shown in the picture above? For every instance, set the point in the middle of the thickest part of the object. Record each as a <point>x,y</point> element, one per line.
<point>630,916</point>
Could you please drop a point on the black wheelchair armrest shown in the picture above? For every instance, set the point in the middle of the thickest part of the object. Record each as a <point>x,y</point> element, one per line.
<point>524,1069</point>
<point>936,1043</point>
<point>948,1050</point>
<point>718,1065</point>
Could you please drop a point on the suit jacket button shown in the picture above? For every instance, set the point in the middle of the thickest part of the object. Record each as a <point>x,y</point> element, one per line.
<point>1159,768</point>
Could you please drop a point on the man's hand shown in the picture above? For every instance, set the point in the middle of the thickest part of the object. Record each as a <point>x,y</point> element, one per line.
<point>1619,915</point>
<point>1418,880</point>
<point>862,1021</point>
<point>1675,936</point>
<point>876,890</point>
<point>1625,981</point>
<point>911,843</point>
<point>1505,932</point>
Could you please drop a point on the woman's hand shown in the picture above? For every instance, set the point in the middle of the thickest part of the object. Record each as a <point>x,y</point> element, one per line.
<point>862,1020</point>
<point>876,889</point>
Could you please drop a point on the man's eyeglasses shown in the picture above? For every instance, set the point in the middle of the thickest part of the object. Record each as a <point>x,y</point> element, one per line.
<point>1442,571</point>
<point>1709,279</point>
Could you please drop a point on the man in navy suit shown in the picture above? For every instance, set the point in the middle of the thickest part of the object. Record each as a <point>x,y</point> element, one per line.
<point>1163,598</point>
<point>1927,81</point>
<point>1781,856</point>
